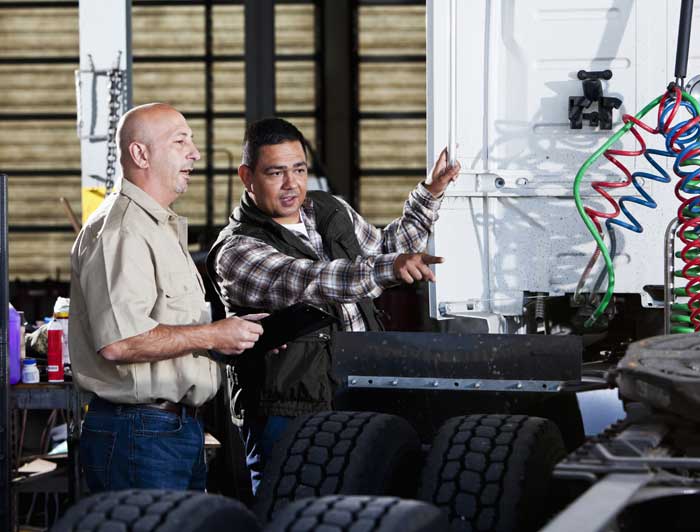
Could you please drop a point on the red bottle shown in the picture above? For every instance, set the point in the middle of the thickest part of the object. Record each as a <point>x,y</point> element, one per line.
<point>54,352</point>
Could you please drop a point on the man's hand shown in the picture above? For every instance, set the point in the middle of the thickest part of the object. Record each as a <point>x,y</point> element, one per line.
<point>443,174</point>
<point>258,317</point>
<point>410,267</point>
<point>234,335</point>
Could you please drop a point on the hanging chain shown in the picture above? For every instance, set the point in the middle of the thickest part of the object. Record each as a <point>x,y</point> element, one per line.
<point>116,85</point>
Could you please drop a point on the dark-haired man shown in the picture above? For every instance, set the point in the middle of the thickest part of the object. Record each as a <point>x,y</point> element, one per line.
<point>283,246</point>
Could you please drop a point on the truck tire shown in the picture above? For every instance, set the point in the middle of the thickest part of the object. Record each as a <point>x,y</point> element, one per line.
<point>492,472</point>
<point>157,511</point>
<point>348,453</point>
<point>343,513</point>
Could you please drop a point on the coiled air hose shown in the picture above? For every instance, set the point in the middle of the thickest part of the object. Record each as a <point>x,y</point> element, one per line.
<point>683,144</point>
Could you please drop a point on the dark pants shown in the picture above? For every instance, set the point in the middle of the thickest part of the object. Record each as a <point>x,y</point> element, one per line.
<point>127,446</point>
<point>259,435</point>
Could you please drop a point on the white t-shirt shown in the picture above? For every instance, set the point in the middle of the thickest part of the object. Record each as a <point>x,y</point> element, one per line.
<point>298,228</point>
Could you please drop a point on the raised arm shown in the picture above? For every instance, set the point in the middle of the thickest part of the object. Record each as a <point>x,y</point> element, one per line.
<point>253,274</point>
<point>408,233</point>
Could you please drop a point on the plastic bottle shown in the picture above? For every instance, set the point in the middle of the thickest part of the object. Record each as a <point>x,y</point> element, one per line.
<point>60,313</point>
<point>62,319</point>
<point>54,352</point>
<point>13,339</point>
<point>30,373</point>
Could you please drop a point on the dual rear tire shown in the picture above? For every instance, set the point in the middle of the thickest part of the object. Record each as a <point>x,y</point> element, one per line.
<point>339,471</point>
<point>485,472</point>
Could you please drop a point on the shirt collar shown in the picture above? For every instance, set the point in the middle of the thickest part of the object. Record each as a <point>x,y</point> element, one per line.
<point>307,208</point>
<point>139,196</point>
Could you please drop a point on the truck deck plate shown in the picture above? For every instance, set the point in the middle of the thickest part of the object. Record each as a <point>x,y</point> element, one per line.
<point>466,358</point>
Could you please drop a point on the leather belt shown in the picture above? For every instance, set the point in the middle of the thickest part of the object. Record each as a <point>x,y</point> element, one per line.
<point>98,404</point>
<point>169,406</point>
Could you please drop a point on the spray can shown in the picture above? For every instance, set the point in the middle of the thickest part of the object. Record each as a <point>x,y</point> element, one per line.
<point>54,353</point>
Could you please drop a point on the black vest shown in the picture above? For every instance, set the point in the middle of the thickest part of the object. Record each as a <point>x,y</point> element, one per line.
<point>298,380</point>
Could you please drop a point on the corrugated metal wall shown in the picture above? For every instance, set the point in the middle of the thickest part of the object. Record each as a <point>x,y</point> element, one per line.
<point>46,147</point>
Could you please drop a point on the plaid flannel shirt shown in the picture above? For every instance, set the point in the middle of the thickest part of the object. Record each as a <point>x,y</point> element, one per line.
<point>253,274</point>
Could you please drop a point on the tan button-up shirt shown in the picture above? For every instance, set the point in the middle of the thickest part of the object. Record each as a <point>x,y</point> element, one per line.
<point>131,271</point>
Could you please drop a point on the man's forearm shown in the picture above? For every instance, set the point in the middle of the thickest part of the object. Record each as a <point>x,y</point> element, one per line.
<point>410,232</point>
<point>407,234</point>
<point>160,343</point>
<point>253,274</point>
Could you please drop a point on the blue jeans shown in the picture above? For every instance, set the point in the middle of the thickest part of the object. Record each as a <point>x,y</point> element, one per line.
<point>127,446</point>
<point>259,435</point>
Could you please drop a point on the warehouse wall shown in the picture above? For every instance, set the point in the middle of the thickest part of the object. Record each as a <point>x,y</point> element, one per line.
<point>47,146</point>
<point>393,85</point>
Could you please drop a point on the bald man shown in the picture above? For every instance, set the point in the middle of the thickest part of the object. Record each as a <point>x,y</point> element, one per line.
<point>139,321</point>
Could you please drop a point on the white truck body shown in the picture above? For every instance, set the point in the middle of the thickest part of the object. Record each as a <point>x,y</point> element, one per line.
<point>509,225</point>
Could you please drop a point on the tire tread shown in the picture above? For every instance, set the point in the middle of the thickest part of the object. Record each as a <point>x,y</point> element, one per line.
<point>478,469</point>
<point>331,453</point>
<point>155,511</point>
<point>342,513</point>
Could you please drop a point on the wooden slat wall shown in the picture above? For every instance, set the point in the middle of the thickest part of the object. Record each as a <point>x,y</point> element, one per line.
<point>382,198</point>
<point>36,88</point>
<point>390,30</point>
<point>40,256</point>
<point>52,145</point>
<point>294,29</point>
<point>403,90</point>
<point>46,32</point>
<point>39,145</point>
<point>392,143</point>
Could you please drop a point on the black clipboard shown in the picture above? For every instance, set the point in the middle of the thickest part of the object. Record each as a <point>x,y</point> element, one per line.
<point>288,324</point>
<point>283,326</point>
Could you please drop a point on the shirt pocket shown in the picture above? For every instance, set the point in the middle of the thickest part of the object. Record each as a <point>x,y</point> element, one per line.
<point>179,282</point>
<point>178,301</point>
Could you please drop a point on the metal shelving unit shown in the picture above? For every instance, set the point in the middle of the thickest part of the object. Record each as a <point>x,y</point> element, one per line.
<point>66,479</point>
<point>32,396</point>
<point>63,396</point>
